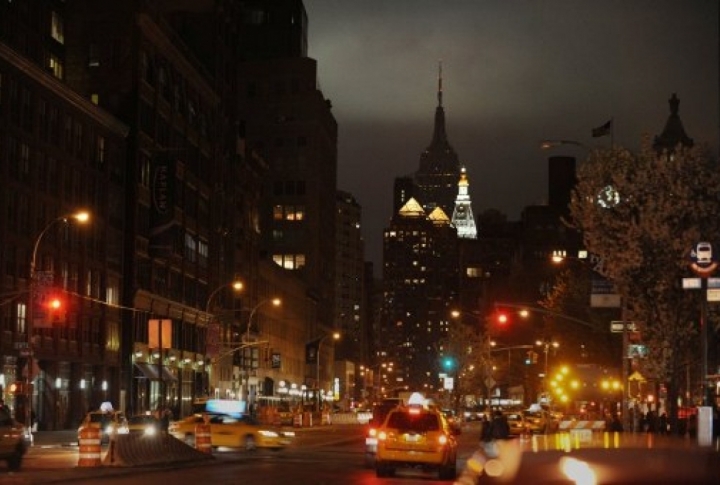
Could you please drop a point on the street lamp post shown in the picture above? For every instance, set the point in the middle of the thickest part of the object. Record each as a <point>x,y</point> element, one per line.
<point>81,217</point>
<point>219,335</point>
<point>274,301</point>
<point>247,348</point>
<point>335,336</point>
<point>546,345</point>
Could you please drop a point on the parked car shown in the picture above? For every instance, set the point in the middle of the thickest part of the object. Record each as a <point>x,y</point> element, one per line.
<point>15,440</point>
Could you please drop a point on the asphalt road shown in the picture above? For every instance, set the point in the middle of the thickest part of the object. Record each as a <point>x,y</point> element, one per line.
<point>335,455</point>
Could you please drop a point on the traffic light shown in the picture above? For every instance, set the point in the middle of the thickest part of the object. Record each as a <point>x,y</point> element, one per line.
<point>54,306</point>
<point>448,363</point>
<point>528,359</point>
<point>502,318</point>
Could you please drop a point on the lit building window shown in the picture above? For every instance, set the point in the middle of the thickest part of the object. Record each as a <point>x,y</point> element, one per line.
<point>57,29</point>
<point>56,66</point>
<point>289,261</point>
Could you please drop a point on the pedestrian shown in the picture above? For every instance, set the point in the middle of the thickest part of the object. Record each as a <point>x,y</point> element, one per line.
<point>663,424</point>
<point>165,417</point>
<point>616,425</point>
<point>4,407</point>
<point>485,429</point>
<point>500,427</point>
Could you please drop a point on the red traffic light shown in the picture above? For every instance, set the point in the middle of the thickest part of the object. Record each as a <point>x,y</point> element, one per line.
<point>502,318</point>
<point>55,304</point>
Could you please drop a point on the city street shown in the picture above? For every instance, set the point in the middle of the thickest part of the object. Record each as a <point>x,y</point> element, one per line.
<point>334,455</point>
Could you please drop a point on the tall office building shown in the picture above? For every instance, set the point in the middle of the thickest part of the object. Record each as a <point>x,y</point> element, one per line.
<point>419,283</point>
<point>439,170</point>
<point>59,153</point>
<point>349,276</point>
<point>290,123</point>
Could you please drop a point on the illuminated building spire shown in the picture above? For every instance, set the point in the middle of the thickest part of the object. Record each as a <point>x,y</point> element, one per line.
<point>462,217</point>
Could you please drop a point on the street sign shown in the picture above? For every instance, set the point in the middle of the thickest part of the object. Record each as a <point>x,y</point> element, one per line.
<point>617,326</point>
<point>713,282</point>
<point>713,295</point>
<point>603,294</point>
<point>692,283</point>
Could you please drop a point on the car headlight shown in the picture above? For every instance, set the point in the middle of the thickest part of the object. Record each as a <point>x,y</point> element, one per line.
<point>268,434</point>
<point>150,430</point>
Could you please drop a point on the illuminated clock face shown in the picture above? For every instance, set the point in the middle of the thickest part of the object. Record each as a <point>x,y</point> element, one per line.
<point>608,197</point>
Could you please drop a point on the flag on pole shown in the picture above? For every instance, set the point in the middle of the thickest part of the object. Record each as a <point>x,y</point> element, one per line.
<point>602,130</point>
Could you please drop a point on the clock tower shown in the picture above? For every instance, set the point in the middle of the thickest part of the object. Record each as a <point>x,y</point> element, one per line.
<point>462,217</point>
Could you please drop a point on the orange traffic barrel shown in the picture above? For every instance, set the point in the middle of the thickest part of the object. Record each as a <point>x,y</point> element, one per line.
<point>89,444</point>
<point>203,438</point>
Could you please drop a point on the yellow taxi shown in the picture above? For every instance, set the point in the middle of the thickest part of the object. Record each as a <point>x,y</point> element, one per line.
<point>233,431</point>
<point>416,436</point>
<point>516,423</point>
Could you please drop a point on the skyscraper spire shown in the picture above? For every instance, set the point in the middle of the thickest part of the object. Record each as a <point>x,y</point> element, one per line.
<point>440,83</point>
<point>439,165</point>
<point>462,217</point>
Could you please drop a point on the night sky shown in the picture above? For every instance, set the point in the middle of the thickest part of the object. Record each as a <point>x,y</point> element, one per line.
<point>515,72</point>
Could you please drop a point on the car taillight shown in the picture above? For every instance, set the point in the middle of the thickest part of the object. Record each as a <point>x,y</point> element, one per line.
<point>372,432</point>
<point>382,435</point>
<point>443,439</point>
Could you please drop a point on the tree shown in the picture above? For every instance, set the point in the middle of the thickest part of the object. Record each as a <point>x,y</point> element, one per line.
<point>584,344</point>
<point>469,348</point>
<point>642,214</point>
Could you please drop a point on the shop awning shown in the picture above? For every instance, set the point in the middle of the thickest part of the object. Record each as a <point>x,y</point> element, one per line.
<point>150,371</point>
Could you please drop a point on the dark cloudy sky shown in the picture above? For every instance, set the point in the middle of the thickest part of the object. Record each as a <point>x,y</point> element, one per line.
<point>514,72</point>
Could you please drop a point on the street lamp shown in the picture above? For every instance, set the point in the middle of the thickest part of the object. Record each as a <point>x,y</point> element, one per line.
<point>274,301</point>
<point>547,345</point>
<point>247,344</point>
<point>81,217</point>
<point>236,285</point>
<point>215,341</point>
<point>335,336</point>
